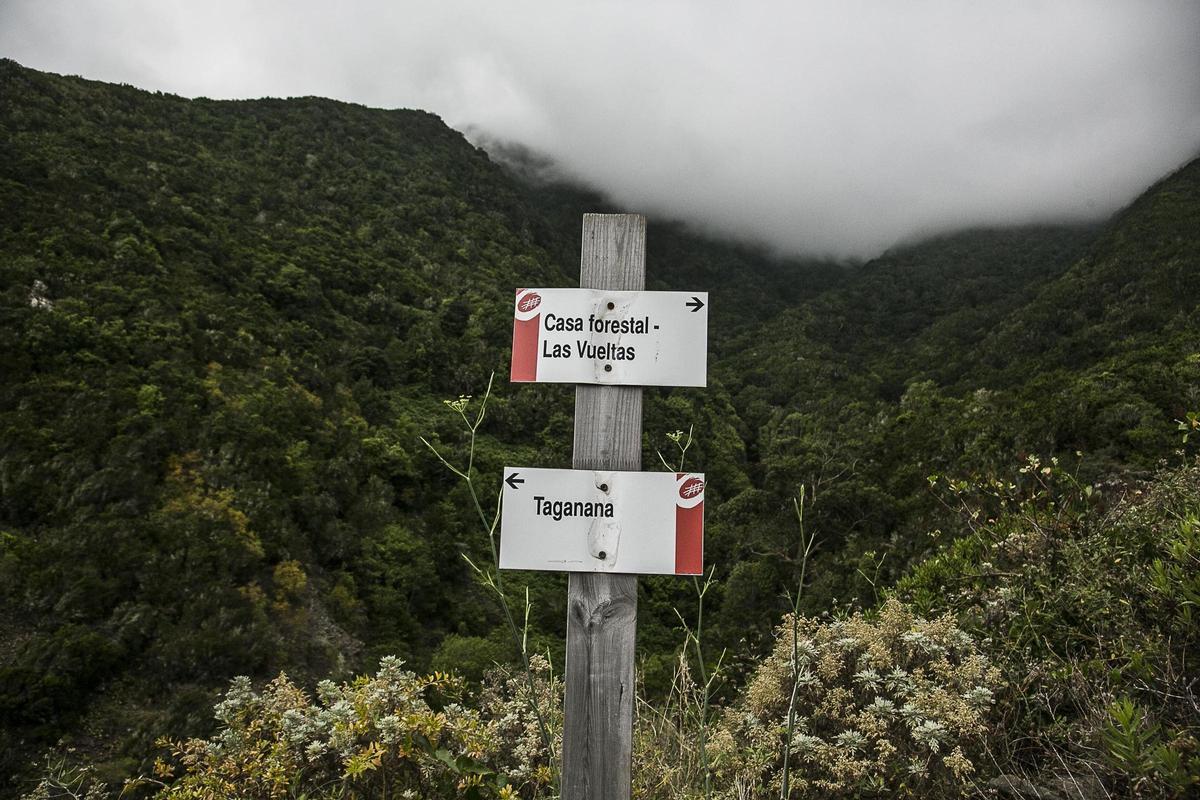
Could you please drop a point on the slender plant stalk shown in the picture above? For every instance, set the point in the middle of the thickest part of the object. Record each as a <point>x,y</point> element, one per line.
<point>805,549</point>
<point>678,438</point>
<point>705,680</point>
<point>493,578</point>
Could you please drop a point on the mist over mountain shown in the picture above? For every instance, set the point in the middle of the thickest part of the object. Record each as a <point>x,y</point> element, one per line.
<point>826,129</point>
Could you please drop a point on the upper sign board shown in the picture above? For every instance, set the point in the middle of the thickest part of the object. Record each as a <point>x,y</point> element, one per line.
<point>575,520</point>
<point>615,338</point>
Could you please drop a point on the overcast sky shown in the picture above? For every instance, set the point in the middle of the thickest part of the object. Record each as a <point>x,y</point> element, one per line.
<point>830,128</point>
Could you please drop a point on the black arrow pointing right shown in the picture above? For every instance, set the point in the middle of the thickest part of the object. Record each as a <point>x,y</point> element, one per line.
<point>513,480</point>
<point>695,304</point>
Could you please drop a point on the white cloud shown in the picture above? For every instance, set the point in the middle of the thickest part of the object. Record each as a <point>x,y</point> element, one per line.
<point>833,127</point>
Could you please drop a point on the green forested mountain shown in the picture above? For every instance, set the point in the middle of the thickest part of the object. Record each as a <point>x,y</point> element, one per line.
<point>930,360</point>
<point>225,325</point>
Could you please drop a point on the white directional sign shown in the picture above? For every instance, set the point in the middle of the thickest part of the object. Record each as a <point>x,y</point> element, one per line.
<point>578,520</point>
<point>618,338</point>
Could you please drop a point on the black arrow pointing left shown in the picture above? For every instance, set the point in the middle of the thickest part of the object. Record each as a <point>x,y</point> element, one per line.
<point>513,480</point>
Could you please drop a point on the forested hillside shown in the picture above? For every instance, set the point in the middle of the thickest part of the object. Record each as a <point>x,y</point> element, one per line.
<point>1089,349</point>
<point>224,327</point>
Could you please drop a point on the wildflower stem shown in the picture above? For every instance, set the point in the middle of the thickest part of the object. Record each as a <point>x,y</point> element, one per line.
<point>493,578</point>
<point>805,549</point>
<point>705,680</point>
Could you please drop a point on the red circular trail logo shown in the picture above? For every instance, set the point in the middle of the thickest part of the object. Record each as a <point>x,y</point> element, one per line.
<point>690,488</point>
<point>529,302</point>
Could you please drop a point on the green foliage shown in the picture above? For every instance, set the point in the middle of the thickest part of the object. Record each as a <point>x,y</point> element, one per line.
<point>1175,576</point>
<point>472,656</point>
<point>949,355</point>
<point>222,326</point>
<point>1085,596</point>
<point>1134,746</point>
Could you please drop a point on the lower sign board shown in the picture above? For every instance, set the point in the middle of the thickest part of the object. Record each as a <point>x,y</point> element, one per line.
<point>614,338</point>
<point>577,520</point>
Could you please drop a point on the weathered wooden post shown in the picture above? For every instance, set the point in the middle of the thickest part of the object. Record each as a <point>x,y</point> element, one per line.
<point>605,521</point>
<point>601,607</point>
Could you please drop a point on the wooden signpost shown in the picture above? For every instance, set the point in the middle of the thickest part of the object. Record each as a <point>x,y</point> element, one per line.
<point>620,339</point>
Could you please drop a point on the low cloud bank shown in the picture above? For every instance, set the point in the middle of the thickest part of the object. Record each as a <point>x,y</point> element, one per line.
<point>821,128</point>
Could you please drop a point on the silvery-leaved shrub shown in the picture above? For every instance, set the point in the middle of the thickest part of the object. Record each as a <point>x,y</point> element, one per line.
<point>527,768</point>
<point>887,704</point>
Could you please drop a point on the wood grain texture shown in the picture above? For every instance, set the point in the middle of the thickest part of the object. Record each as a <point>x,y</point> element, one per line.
<point>602,608</point>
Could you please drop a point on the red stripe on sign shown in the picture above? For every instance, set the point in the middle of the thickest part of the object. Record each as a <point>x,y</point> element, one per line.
<point>689,539</point>
<point>525,348</point>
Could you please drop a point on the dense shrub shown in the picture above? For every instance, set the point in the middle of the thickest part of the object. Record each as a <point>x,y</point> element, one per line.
<point>396,734</point>
<point>1086,597</point>
<point>890,704</point>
